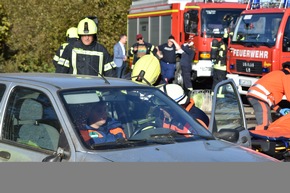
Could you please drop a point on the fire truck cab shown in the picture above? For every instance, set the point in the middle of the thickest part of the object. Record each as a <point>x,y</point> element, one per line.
<point>260,43</point>
<point>156,20</point>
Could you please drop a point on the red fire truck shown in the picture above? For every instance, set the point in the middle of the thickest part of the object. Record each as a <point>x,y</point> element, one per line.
<point>260,43</point>
<point>156,20</point>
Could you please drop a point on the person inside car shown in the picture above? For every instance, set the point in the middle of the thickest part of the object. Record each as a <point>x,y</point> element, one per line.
<point>100,128</point>
<point>176,92</point>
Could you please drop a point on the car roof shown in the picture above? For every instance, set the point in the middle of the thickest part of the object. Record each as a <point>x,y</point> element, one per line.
<point>66,81</point>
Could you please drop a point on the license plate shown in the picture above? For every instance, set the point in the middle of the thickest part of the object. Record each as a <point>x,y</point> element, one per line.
<point>246,83</point>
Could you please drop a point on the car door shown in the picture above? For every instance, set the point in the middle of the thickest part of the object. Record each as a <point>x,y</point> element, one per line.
<point>228,120</point>
<point>31,130</point>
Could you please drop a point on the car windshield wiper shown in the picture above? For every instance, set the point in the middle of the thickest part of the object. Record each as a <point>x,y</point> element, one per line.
<point>165,138</point>
<point>118,144</point>
<point>173,134</point>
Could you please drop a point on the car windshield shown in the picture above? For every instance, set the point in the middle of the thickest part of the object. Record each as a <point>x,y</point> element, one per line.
<point>145,114</point>
<point>254,30</point>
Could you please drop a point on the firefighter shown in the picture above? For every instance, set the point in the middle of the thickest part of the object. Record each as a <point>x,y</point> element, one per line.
<point>228,25</point>
<point>95,19</point>
<point>266,94</point>
<point>71,36</point>
<point>177,93</point>
<point>218,57</point>
<point>86,55</point>
<point>214,50</point>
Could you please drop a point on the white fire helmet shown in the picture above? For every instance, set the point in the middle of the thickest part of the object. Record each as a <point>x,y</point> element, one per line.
<point>175,92</point>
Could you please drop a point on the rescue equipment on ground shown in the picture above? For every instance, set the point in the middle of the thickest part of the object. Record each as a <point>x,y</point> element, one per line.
<point>275,141</point>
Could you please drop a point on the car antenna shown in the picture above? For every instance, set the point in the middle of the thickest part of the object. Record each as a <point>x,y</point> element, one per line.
<point>103,77</point>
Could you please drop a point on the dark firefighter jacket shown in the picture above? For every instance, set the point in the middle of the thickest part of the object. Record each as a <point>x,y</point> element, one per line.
<point>94,59</point>
<point>60,51</point>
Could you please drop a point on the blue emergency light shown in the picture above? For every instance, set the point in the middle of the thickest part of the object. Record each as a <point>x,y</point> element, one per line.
<point>286,3</point>
<point>266,70</point>
<point>255,4</point>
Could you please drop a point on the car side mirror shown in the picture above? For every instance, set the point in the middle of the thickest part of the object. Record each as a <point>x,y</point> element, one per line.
<point>230,135</point>
<point>52,158</point>
<point>56,156</point>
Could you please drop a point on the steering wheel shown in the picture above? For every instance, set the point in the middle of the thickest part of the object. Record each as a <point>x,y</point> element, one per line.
<point>139,129</point>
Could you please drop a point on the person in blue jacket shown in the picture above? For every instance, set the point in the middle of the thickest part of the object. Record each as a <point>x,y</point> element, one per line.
<point>100,128</point>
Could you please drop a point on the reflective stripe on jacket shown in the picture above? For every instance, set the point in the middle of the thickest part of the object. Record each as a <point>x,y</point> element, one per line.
<point>182,129</point>
<point>58,53</point>
<point>271,88</point>
<point>90,60</point>
<point>106,133</point>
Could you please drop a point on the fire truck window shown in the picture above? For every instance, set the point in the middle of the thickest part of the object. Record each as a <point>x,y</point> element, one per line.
<point>191,21</point>
<point>286,38</point>
<point>274,27</point>
<point>215,21</point>
<point>259,25</point>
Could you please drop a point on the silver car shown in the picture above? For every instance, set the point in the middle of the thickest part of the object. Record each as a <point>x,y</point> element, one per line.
<point>43,116</point>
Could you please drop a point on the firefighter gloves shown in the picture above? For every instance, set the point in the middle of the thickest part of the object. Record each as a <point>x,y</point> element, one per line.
<point>284,111</point>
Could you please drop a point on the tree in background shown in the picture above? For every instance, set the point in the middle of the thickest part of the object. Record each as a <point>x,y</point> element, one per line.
<point>38,28</point>
<point>4,32</point>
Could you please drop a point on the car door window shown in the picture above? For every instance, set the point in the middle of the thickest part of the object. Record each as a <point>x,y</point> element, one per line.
<point>2,91</point>
<point>228,118</point>
<point>30,120</point>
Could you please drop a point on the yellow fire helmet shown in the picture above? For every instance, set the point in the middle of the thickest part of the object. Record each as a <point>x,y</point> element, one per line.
<point>146,70</point>
<point>72,32</point>
<point>87,27</point>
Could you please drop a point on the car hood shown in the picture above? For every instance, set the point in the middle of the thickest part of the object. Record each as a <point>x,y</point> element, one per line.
<point>196,151</point>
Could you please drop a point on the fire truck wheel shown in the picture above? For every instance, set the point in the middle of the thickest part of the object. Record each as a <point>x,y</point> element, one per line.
<point>194,75</point>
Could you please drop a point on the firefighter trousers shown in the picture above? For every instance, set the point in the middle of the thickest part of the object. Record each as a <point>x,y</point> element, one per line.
<point>218,76</point>
<point>262,113</point>
<point>186,76</point>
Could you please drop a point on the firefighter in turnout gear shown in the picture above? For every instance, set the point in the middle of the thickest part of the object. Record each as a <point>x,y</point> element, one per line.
<point>177,93</point>
<point>266,94</point>
<point>218,56</point>
<point>86,55</point>
<point>71,36</point>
